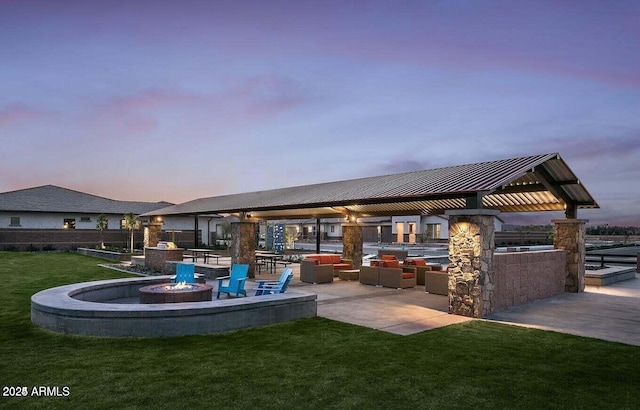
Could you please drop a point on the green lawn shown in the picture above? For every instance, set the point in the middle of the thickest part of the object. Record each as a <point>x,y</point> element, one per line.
<point>311,363</point>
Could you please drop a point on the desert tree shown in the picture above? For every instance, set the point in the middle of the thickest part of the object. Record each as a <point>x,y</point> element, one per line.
<point>131,223</point>
<point>102,224</point>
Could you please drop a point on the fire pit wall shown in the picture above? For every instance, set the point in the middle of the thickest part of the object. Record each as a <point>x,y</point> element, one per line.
<point>522,277</point>
<point>88,309</point>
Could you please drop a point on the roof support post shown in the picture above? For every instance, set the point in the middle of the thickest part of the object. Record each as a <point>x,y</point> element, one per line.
<point>571,211</point>
<point>352,241</point>
<point>473,201</point>
<point>196,228</point>
<point>318,235</point>
<point>152,234</point>
<point>569,234</point>
<point>243,245</point>
<point>471,247</point>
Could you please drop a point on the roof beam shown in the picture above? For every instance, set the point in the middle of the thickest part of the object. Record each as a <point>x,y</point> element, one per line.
<point>473,200</point>
<point>552,186</point>
<point>518,189</point>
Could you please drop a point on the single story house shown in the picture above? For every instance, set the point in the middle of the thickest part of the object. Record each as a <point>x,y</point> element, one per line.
<point>50,217</point>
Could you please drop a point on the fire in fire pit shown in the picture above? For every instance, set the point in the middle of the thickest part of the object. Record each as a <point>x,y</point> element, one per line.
<point>179,286</point>
<point>176,293</point>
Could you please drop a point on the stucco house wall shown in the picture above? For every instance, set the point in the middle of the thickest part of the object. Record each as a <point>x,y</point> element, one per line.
<point>35,218</point>
<point>40,220</point>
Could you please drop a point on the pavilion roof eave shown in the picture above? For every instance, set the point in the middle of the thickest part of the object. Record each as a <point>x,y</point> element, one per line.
<point>537,183</point>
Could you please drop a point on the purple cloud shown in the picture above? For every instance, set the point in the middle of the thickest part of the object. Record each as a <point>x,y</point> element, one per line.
<point>267,95</point>
<point>17,113</point>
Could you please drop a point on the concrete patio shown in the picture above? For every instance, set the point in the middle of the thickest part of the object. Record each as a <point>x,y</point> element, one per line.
<point>402,312</point>
<point>608,312</point>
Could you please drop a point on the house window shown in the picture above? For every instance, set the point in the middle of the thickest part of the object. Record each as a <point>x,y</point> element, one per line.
<point>333,229</point>
<point>85,219</point>
<point>69,223</point>
<point>15,221</point>
<point>432,231</point>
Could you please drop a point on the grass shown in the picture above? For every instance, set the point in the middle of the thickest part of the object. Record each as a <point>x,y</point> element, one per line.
<point>311,363</point>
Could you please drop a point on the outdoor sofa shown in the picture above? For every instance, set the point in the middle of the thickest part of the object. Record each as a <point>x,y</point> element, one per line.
<point>322,268</point>
<point>421,268</point>
<point>430,275</point>
<point>436,282</point>
<point>369,275</point>
<point>388,273</point>
<point>399,254</point>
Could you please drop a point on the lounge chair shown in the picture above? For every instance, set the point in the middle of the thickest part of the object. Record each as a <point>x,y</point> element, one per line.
<point>185,272</point>
<point>273,287</point>
<point>235,283</point>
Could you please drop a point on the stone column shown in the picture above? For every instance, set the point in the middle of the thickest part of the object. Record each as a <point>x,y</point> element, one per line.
<point>243,245</point>
<point>352,243</point>
<point>152,234</point>
<point>471,246</point>
<point>569,234</point>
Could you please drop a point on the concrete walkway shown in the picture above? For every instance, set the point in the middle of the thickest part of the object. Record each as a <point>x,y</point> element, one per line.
<point>610,312</point>
<point>402,312</point>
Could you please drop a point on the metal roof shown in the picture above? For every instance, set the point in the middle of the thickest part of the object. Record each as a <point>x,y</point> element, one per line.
<point>535,183</point>
<point>51,198</point>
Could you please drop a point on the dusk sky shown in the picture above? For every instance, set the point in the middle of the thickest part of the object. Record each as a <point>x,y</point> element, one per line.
<point>178,100</point>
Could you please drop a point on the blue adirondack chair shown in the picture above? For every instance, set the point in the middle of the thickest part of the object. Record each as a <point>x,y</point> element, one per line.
<point>272,287</point>
<point>185,272</point>
<point>235,281</point>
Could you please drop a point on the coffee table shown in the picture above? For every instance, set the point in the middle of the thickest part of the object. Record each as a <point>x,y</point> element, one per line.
<point>349,274</point>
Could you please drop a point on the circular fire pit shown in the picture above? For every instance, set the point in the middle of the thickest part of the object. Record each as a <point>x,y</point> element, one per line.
<point>176,293</point>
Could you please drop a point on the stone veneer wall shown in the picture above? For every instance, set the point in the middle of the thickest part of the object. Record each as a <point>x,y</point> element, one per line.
<point>471,245</point>
<point>523,277</point>
<point>352,243</point>
<point>152,234</point>
<point>243,245</point>
<point>156,259</point>
<point>569,234</point>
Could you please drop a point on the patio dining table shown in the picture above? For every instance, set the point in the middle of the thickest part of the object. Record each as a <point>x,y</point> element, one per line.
<point>269,259</point>
<point>199,252</point>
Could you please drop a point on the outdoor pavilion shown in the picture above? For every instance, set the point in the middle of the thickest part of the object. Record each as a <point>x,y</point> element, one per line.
<point>471,195</point>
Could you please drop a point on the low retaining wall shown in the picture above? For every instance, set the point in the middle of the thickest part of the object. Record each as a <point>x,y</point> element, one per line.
<point>108,255</point>
<point>523,277</point>
<point>80,309</point>
<point>609,275</point>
